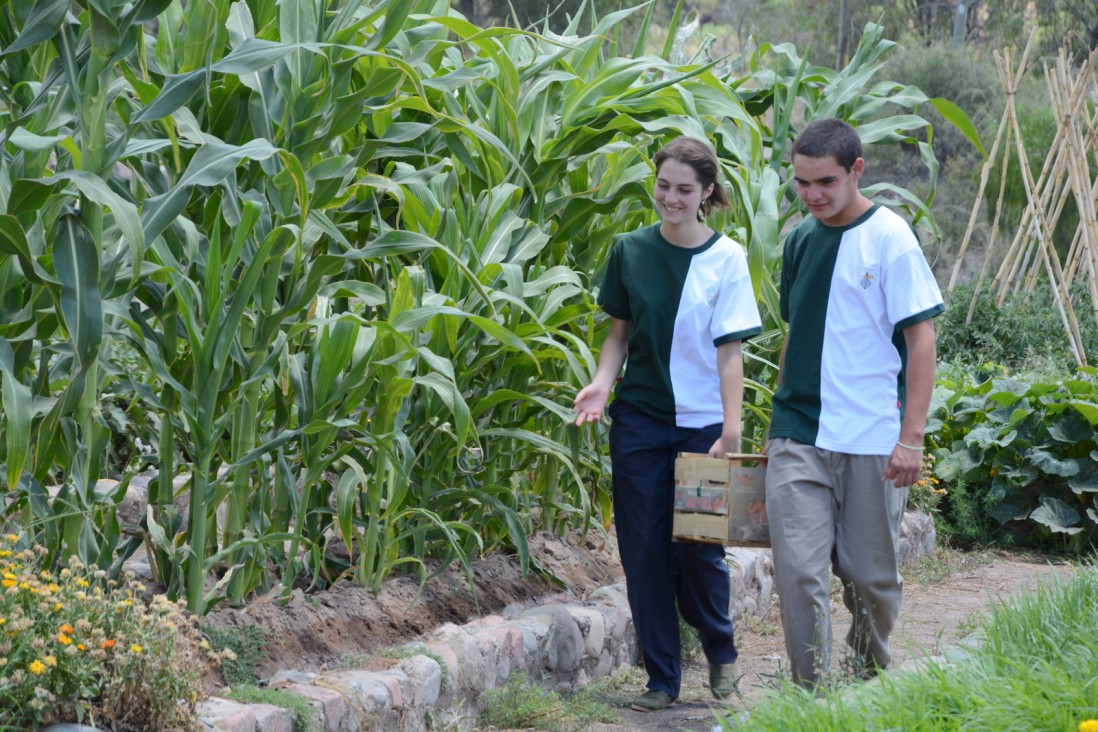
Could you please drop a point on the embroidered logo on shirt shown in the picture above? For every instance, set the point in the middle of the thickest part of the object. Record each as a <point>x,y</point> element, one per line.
<point>867,279</point>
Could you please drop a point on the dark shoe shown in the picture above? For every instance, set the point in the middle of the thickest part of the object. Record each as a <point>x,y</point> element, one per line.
<point>653,701</point>
<point>723,678</point>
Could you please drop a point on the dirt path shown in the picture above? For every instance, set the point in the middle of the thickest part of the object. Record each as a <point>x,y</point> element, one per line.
<point>942,597</point>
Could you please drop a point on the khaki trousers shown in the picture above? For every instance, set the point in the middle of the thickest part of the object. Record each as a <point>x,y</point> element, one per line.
<point>832,511</point>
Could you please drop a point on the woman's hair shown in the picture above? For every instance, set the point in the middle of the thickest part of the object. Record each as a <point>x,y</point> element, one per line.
<point>699,156</point>
<point>829,138</point>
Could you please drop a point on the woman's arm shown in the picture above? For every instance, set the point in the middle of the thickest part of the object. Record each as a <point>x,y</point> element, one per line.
<point>591,399</point>
<point>730,372</point>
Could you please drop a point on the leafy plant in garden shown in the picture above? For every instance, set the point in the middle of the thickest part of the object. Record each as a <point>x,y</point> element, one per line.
<point>75,646</point>
<point>334,264</point>
<point>1019,455</point>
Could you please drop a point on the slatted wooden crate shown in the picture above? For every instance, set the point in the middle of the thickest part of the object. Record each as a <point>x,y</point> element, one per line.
<point>721,500</point>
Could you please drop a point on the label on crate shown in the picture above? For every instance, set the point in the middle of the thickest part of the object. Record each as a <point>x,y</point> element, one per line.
<point>720,500</point>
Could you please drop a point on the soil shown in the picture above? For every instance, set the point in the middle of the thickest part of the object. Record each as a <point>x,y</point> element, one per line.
<point>942,597</point>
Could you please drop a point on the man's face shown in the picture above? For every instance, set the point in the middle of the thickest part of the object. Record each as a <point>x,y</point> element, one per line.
<point>828,190</point>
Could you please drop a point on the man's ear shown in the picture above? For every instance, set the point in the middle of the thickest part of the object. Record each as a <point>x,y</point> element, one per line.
<point>857,168</point>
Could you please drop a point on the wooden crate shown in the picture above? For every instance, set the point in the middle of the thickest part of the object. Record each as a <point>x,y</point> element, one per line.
<point>721,500</point>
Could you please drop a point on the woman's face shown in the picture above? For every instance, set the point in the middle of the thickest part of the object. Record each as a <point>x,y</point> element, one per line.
<point>678,192</point>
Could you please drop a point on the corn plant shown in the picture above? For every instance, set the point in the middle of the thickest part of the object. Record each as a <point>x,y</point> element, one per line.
<point>328,268</point>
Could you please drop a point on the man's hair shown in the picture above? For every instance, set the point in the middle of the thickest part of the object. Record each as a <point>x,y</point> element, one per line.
<point>699,156</point>
<point>829,137</point>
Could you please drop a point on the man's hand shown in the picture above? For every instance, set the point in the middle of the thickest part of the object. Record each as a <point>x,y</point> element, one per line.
<point>903,466</point>
<point>589,403</point>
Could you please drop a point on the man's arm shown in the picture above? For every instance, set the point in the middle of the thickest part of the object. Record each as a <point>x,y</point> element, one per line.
<point>904,463</point>
<point>730,372</point>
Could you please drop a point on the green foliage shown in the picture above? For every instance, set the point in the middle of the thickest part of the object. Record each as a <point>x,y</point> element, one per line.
<point>1025,333</point>
<point>519,704</point>
<point>335,266</point>
<point>305,715</point>
<point>1018,456</point>
<point>1025,674</point>
<point>76,647</point>
<point>927,492</point>
<point>248,644</point>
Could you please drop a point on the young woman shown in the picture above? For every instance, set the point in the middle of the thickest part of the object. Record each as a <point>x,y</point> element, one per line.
<point>680,303</point>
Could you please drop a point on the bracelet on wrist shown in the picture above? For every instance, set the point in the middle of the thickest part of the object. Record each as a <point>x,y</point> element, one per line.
<point>918,448</point>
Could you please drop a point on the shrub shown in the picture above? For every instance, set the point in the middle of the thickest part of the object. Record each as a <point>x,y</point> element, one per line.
<point>76,647</point>
<point>247,645</point>
<point>1024,334</point>
<point>927,493</point>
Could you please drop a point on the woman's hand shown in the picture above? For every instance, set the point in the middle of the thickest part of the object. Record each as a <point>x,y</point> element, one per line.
<point>589,403</point>
<point>726,443</point>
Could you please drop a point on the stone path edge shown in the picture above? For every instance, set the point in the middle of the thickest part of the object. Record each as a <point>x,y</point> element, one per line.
<point>562,644</point>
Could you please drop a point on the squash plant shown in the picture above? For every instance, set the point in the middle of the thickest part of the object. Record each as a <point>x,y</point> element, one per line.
<point>1020,456</point>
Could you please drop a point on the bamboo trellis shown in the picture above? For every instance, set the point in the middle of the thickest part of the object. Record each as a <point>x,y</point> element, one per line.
<point>1066,173</point>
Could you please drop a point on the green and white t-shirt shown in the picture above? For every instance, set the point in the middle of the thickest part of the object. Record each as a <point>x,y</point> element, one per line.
<point>847,293</point>
<point>681,304</point>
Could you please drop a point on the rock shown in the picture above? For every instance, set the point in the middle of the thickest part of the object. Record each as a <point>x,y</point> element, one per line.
<point>917,537</point>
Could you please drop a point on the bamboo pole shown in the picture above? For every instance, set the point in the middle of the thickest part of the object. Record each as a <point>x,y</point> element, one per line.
<point>984,171</point>
<point>1045,246</point>
<point>1084,200</point>
<point>994,236</point>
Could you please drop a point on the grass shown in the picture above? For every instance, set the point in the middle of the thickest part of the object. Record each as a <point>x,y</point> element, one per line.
<point>945,562</point>
<point>306,716</point>
<point>248,642</point>
<point>521,704</point>
<point>1035,669</point>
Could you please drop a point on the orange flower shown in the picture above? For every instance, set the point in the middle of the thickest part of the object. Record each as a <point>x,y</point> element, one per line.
<point>68,629</point>
<point>107,645</point>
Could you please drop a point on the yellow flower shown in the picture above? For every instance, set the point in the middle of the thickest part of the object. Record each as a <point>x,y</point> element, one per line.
<point>8,583</point>
<point>81,647</point>
<point>50,660</point>
<point>37,667</point>
<point>82,582</point>
<point>57,607</point>
<point>1089,725</point>
<point>63,639</point>
<point>135,648</point>
<point>11,538</point>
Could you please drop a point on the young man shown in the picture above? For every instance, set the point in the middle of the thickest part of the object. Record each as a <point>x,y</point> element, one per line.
<point>846,436</point>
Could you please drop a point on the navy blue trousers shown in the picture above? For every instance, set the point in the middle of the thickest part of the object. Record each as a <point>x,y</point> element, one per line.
<point>664,577</point>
